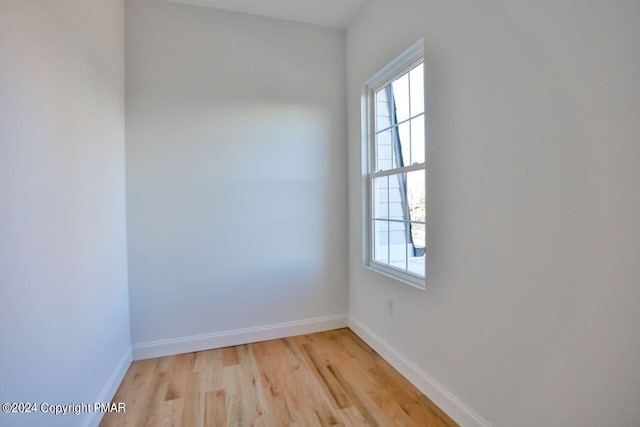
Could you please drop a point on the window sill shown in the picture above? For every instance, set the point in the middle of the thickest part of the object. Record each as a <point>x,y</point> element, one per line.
<point>397,275</point>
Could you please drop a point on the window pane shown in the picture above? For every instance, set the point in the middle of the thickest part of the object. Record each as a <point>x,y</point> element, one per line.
<point>398,241</point>
<point>401,97</point>
<point>417,256</point>
<point>416,195</point>
<point>418,235</point>
<point>381,241</point>
<point>384,150</point>
<point>404,140</point>
<point>397,197</point>
<point>382,109</point>
<point>417,140</point>
<point>381,197</point>
<point>416,77</point>
<point>398,231</point>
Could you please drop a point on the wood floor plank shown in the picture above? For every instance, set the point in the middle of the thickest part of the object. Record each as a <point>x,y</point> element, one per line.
<point>362,402</point>
<point>151,414</point>
<point>266,420</point>
<point>352,417</point>
<point>213,370</point>
<point>330,378</point>
<point>182,367</point>
<point>233,405</point>
<point>193,413</point>
<point>169,414</point>
<point>253,398</point>
<point>410,399</point>
<point>326,379</point>
<point>235,417</point>
<point>373,394</point>
<point>281,395</point>
<point>165,364</point>
<point>307,417</point>
<point>204,359</point>
<point>229,356</point>
<point>322,402</point>
<point>215,413</point>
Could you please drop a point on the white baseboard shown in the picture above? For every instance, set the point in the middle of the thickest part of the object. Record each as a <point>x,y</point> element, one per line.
<point>109,390</point>
<point>190,344</point>
<point>434,391</point>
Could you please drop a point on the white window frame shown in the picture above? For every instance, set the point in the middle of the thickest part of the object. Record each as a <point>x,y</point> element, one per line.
<point>411,57</point>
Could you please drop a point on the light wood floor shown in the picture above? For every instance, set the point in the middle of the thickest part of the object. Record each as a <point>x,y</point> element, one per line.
<point>325,379</point>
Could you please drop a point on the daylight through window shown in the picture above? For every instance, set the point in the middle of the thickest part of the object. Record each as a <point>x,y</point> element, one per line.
<point>397,216</point>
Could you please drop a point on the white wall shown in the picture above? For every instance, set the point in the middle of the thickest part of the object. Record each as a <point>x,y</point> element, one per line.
<point>64,315</point>
<point>236,171</point>
<point>531,315</point>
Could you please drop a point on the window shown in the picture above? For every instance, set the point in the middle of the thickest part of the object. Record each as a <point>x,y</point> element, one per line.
<point>394,116</point>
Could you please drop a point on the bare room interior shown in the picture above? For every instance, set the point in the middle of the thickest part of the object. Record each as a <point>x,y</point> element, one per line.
<point>307,213</point>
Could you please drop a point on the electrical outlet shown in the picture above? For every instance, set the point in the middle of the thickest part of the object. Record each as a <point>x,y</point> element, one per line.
<point>389,306</point>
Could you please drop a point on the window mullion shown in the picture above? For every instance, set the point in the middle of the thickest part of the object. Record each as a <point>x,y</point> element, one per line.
<point>397,220</point>
<point>405,169</point>
<point>397,124</point>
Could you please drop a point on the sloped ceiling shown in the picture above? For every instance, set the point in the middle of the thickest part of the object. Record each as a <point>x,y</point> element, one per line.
<point>327,13</point>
